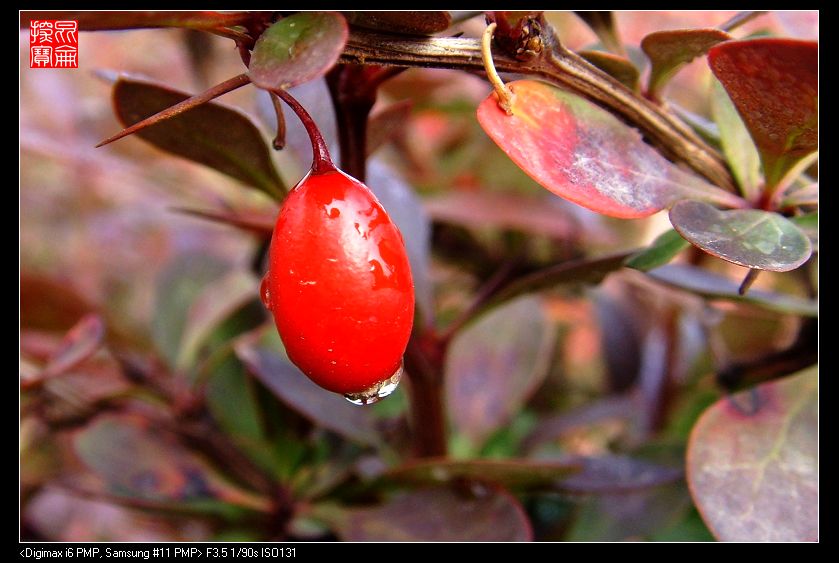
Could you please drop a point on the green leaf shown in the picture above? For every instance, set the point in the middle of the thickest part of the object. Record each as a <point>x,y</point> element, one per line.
<point>602,23</point>
<point>663,249</point>
<point>413,23</point>
<point>618,67</point>
<point>293,388</point>
<point>774,84</point>
<point>211,134</point>
<point>630,516</point>
<point>440,514</point>
<point>809,223</point>
<point>214,303</point>
<point>495,364</point>
<point>297,49</point>
<point>233,404</point>
<point>670,50</point>
<point>513,473</point>
<point>709,284</point>
<point>749,237</point>
<point>179,284</point>
<point>753,462</point>
<point>139,461</point>
<point>586,155</point>
<point>737,144</point>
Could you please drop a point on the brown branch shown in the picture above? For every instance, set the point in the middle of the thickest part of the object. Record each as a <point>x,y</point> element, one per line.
<point>560,67</point>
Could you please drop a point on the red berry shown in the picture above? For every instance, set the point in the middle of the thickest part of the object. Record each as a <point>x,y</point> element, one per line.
<point>339,286</point>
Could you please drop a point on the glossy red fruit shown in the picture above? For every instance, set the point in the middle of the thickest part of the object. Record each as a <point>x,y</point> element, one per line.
<point>339,286</point>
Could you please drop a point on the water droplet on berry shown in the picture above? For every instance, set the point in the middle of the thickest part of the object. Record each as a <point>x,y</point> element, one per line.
<point>378,391</point>
<point>265,292</point>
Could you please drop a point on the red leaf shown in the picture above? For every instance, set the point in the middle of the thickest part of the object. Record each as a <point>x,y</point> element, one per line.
<point>584,154</point>
<point>774,84</point>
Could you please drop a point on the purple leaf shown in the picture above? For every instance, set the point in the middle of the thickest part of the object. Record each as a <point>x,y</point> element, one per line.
<point>297,49</point>
<point>753,462</point>
<point>211,134</point>
<point>495,364</point>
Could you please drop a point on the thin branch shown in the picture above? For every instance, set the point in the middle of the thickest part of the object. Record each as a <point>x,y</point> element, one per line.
<point>740,19</point>
<point>321,161</point>
<point>562,68</point>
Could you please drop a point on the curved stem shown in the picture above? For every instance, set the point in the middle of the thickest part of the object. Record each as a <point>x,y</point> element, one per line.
<point>321,161</point>
<point>279,139</point>
<point>505,95</point>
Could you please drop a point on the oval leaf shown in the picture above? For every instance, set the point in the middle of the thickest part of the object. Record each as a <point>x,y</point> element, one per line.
<point>586,155</point>
<point>737,144</point>
<point>211,134</point>
<point>139,461</point>
<point>297,49</point>
<point>178,286</point>
<point>513,473</point>
<point>495,364</point>
<point>670,50</point>
<point>483,514</point>
<point>753,462</point>
<point>774,84</point>
<point>749,237</point>
<point>413,23</point>
<point>297,391</point>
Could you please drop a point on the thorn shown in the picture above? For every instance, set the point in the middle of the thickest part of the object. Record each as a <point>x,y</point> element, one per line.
<point>179,108</point>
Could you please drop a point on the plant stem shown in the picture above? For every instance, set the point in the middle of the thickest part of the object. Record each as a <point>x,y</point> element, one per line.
<point>739,19</point>
<point>505,95</point>
<point>424,366</point>
<point>352,99</point>
<point>321,161</point>
<point>563,68</point>
<point>279,139</point>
